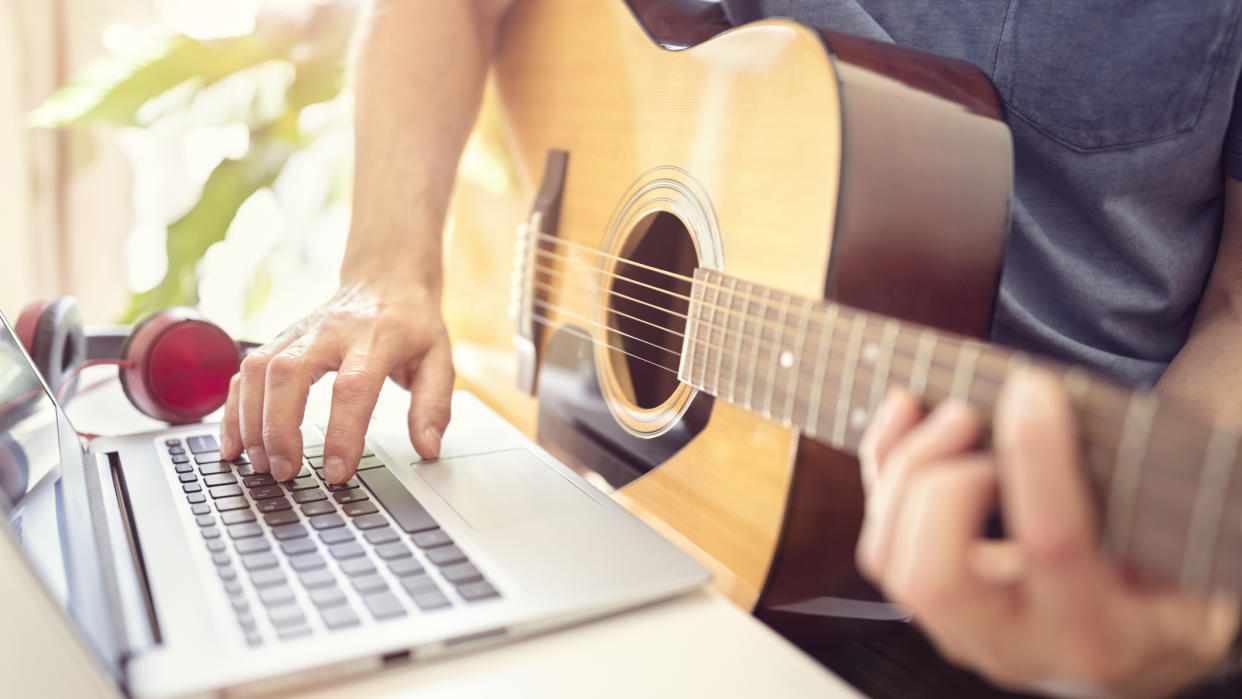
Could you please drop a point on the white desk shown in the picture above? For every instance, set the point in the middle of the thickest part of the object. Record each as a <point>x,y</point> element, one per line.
<point>695,645</point>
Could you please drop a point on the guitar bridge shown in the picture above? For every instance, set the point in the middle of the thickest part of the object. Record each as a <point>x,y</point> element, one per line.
<point>532,237</point>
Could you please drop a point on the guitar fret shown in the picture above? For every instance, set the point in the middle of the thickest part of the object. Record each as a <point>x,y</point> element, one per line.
<point>888,343</point>
<point>690,373</point>
<point>777,356</point>
<point>817,383</point>
<point>713,331</point>
<point>1128,471</point>
<point>1209,508</point>
<point>796,372</point>
<point>964,374</point>
<point>847,379</point>
<point>922,363</point>
<point>750,384</point>
<point>724,332</point>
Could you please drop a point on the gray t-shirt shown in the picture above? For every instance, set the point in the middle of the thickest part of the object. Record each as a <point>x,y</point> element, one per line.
<point>1121,114</point>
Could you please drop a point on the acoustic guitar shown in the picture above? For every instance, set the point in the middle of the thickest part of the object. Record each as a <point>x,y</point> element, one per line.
<point>740,239</point>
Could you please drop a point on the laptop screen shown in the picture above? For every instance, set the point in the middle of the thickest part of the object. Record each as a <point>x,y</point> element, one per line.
<point>43,499</point>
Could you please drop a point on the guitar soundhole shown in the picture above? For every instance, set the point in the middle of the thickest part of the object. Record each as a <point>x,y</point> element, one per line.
<point>648,305</point>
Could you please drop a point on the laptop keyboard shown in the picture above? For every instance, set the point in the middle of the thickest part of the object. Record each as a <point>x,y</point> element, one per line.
<point>305,556</point>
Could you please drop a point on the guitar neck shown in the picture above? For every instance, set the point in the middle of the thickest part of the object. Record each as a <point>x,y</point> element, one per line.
<point>1164,478</point>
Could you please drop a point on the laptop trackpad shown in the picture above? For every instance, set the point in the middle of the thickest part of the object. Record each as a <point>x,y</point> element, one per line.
<point>504,487</point>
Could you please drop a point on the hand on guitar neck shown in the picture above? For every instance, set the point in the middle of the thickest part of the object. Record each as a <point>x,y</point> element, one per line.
<point>1042,609</point>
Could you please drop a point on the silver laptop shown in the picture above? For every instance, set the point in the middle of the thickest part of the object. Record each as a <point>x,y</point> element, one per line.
<point>185,574</point>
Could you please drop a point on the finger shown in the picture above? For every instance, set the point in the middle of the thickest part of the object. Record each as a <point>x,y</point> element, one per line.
<point>897,415</point>
<point>1046,504</point>
<point>997,562</point>
<point>289,376</point>
<point>230,432</point>
<point>951,429</point>
<point>431,392</point>
<point>354,394</point>
<point>253,375</point>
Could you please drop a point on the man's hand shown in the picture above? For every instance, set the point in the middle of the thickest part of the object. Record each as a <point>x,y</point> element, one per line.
<point>1043,610</point>
<point>366,335</point>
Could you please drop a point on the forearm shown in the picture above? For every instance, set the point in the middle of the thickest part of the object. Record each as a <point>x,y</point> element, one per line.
<point>420,66</point>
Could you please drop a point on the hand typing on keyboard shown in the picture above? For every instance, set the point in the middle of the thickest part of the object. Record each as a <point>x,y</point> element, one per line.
<point>367,332</point>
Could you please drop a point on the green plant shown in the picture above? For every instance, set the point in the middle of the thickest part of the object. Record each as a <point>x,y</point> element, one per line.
<point>264,79</point>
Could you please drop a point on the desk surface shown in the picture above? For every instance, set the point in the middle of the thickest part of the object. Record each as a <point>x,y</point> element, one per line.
<point>695,645</point>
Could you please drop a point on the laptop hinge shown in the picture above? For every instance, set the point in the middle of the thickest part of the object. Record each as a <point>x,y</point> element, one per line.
<point>121,557</point>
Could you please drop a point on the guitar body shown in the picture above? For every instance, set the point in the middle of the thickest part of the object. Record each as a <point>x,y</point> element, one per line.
<point>818,166</point>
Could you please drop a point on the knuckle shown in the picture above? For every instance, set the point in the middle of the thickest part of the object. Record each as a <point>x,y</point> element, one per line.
<point>254,364</point>
<point>284,368</point>
<point>351,386</point>
<point>1051,544</point>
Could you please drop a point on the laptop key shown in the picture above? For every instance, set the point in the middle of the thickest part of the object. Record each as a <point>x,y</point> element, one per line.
<point>244,468</point>
<point>227,573</point>
<point>344,496</point>
<point>237,516</point>
<point>330,521</point>
<point>445,555</point>
<point>187,478</point>
<point>180,459</point>
<point>277,600</point>
<point>206,457</point>
<point>204,520</point>
<point>381,536</point>
<point>289,531</point>
<point>392,550</point>
<point>278,503</point>
<point>327,597</point>
<point>461,573</point>
<point>365,507</point>
<point>228,504</point>
<point>244,530</point>
<point>289,633</point>
<point>475,591</point>
<point>220,479</point>
<point>339,617</point>
<point>369,462</point>
<point>258,479</point>
<point>172,442</point>
<point>320,507</point>
<point>216,546</point>
<point>176,449</point>
<point>200,509</point>
<point>336,536</point>
<point>263,492</point>
<point>306,561</point>
<point>366,584</point>
<point>357,566</point>
<point>258,561</point>
<point>383,605</point>
<point>349,549</point>
<point>195,498</point>
<point>431,539</point>
<point>405,567</point>
<point>202,443</point>
<point>347,485</point>
<point>374,521</point>
<point>225,491</point>
<point>267,577</point>
<point>256,544</point>
<point>183,468</point>
<point>275,519</point>
<point>400,502</point>
<point>213,468</point>
<point>303,483</point>
<point>221,559</point>
<point>313,450</point>
<point>192,487</point>
<point>304,496</point>
<point>312,579</point>
<point>232,587</point>
<point>428,601</point>
<point>294,547</point>
<point>253,638</point>
<point>418,584</point>
<point>210,533</point>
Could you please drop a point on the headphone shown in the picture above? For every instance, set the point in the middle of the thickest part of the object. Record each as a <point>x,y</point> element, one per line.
<point>175,365</point>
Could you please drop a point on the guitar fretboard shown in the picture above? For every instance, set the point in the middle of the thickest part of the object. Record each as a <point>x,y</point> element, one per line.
<point>1163,477</point>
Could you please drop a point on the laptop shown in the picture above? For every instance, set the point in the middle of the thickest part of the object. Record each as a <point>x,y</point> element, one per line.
<point>184,574</point>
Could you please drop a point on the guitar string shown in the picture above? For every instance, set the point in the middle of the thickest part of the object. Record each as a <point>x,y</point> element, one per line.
<point>1161,472</point>
<point>726,330</point>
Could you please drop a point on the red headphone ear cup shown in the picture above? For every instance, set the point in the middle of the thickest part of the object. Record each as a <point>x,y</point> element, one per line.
<point>182,364</point>
<point>52,333</point>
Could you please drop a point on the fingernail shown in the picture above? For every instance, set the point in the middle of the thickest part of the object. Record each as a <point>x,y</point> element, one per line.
<point>334,469</point>
<point>281,468</point>
<point>432,436</point>
<point>226,446</point>
<point>258,459</point>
